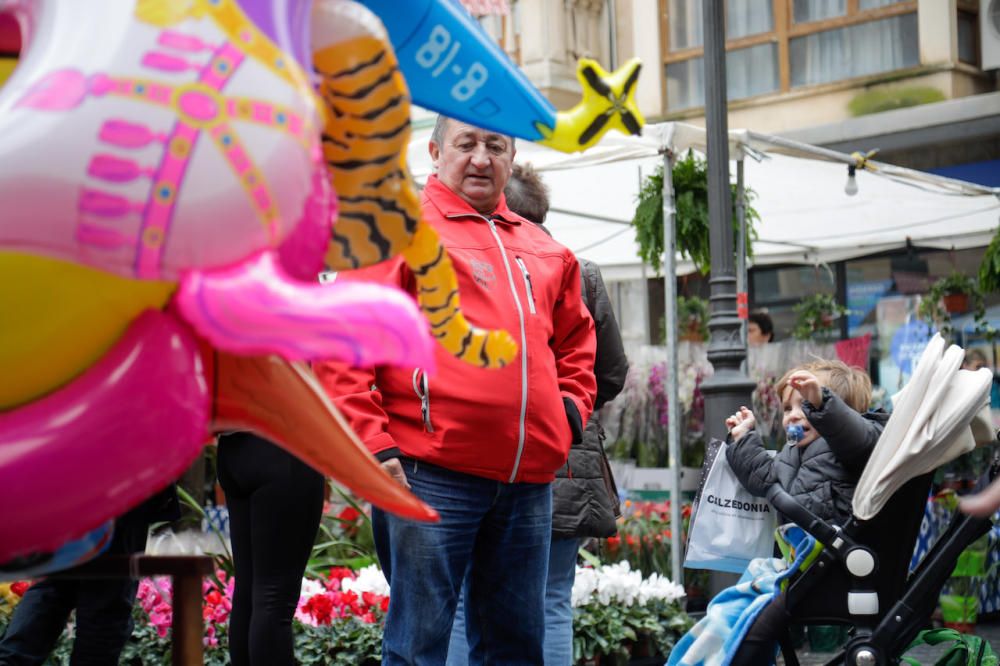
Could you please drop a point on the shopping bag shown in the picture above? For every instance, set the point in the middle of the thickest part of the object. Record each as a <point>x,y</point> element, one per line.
<point>730,526</point>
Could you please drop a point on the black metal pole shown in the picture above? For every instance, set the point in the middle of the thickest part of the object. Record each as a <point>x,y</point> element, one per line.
<point>729,387</point>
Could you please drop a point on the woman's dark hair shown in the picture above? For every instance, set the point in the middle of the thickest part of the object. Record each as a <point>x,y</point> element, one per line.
<point>763,320</point>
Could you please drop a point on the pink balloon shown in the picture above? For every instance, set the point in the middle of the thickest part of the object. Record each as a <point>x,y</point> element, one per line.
<point>165,163</point>
<point>253,308</point>
<point>127,427</point>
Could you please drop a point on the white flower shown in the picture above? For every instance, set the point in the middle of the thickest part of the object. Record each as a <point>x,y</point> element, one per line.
<point>618,584</point>
<point>310,587</point>
<point>370,579</point>
<point>584,585</point>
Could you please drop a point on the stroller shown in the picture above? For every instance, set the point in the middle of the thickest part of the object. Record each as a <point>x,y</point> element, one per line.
<point>861,576</point>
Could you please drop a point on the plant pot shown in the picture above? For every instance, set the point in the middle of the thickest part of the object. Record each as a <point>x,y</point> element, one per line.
<point>643,647</point>
<point>955,303</point>
<point>959,610</point>
<point>962,627</point>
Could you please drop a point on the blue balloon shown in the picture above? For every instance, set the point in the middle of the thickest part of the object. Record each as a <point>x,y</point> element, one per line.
<point>453,67</point>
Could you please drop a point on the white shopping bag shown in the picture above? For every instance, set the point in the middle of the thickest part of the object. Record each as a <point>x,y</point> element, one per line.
<point>730,526</point>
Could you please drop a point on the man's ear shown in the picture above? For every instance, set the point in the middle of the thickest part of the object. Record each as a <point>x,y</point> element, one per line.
<point>435,152</point>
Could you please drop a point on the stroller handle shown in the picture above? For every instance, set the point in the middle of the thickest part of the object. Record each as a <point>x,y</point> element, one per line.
<point>825,533</point>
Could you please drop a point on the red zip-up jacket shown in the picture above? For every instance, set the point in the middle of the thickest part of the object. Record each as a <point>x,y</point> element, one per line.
<point>510,424</point>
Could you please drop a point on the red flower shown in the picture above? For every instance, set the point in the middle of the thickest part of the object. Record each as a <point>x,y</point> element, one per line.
<point>614,542</point>
<point>320,606</point>
<point>20,587</point>
<point>367,618</point>
<point>384,604</point>
<point>349,514</point>
<point>340,573</point>
<point>371,599</point>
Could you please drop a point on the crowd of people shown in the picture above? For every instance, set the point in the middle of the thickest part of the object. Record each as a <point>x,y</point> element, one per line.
<point>512,460</point>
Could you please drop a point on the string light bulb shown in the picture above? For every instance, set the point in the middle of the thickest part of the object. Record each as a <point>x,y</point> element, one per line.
<point>851,188</point>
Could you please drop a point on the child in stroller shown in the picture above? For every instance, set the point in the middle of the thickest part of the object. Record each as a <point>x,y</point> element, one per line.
<point>831,436</point>
<point>860,576</point>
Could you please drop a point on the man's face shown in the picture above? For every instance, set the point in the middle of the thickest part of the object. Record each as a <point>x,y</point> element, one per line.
<point>474,164</point>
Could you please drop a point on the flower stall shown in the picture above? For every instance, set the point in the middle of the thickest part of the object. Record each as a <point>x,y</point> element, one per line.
<point>622,610</point>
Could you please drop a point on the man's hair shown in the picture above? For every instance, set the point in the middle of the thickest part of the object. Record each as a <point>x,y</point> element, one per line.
<point>763,320</point>
<point>441,128</point>
<point>527,195</point>
<point>853,385</point>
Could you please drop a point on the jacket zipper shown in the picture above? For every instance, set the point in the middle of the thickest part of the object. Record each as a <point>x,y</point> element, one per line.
<point>524,350</point>
<point>527,284</point>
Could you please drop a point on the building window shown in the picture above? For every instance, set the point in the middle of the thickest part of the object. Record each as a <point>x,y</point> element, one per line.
<point>968,42</point>
<point>806,11</point>
<point>685,28</point>
<point>750,71</point>
<point>748,17</point>
<point>857,50</point>
<point>777,45</point>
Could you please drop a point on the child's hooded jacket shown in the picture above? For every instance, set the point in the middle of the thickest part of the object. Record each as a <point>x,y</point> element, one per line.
<point>821,476</point>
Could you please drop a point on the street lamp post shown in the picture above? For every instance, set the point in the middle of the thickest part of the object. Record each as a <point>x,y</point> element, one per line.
<point>729,387</point>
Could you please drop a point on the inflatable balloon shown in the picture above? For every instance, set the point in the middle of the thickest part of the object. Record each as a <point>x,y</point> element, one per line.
<point>453,67</point>
<point>70,554</point>
<point>168,194</point>
<point>166,203</point>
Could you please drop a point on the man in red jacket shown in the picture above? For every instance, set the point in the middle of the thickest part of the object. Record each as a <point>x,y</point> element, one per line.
<point>480,446</point>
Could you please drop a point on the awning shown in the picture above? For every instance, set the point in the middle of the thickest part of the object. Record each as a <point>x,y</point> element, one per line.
<point>806,217</point>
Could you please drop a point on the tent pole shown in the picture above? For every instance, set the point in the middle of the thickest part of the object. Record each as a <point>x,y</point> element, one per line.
<point>673,397</point>
<point>741,246</point>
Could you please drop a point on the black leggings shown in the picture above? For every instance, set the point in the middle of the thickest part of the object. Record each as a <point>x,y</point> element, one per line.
<point>275,502</point>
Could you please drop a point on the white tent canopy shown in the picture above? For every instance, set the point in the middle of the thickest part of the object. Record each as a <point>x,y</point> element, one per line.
<point>806,217</point>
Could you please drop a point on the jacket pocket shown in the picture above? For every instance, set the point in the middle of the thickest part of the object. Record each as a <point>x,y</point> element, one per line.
<point>526,276</point>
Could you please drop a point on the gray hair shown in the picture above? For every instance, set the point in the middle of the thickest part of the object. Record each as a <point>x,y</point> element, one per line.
<point>441,128</point>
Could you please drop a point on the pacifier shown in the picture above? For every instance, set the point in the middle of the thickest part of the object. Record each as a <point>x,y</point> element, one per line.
<point>794,433</point>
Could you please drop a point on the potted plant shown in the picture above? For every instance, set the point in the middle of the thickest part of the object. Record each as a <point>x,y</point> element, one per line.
<point>692,319</point>
<point>619,614</point>
<point>815,317</point>
<point>690,181</point>
<point>989,268</point>
<point>954,294</point>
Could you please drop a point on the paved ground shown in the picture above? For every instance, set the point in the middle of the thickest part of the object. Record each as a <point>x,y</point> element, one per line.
<point>988,628</point>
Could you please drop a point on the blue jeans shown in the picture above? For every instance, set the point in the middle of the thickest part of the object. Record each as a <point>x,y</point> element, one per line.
<point>103,609</point>
<point>498,533</point>
<point>558,610</point>
<point>558,606</point>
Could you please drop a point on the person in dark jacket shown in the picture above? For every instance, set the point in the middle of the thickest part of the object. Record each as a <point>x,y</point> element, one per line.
<point>584,495</point>
<point>831,435</point>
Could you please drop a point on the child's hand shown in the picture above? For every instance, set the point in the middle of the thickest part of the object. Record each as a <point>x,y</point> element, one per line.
<point>808,386</point>
<point>741,423</point>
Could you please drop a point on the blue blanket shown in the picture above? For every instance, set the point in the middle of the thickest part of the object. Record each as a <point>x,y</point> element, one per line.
<point>714,639</point>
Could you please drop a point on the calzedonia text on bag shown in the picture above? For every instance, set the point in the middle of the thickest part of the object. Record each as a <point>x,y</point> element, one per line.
<point>730,526</point>
<point>739,505</point>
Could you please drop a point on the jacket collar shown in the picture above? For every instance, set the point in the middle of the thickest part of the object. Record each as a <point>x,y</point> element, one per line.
<point>450,205</point>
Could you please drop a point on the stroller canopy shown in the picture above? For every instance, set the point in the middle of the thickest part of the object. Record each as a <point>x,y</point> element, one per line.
<point>931,424</point>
